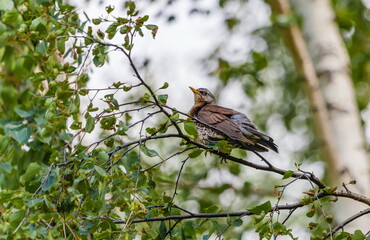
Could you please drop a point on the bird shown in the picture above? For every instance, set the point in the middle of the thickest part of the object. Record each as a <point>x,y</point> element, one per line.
<point>221,123</point>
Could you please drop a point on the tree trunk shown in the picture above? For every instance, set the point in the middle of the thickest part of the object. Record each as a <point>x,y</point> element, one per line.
<point>331,83</point>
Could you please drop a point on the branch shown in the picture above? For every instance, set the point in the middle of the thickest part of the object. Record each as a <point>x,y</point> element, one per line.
<point>307,176</point>
<point>291,207</point>
<point>187,216</point>
<point>137,74</point>
<point>347,221</point>
<point>178,179</point>
<point>212,215</point>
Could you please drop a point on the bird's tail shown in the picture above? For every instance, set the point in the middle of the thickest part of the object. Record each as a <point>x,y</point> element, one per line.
<point>269,143</point>
<point>262,139</point>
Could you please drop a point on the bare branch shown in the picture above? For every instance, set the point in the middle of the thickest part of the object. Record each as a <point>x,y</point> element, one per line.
<point>178,178</point>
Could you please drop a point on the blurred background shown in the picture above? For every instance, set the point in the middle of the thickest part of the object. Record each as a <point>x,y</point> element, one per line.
<point>235,48</point>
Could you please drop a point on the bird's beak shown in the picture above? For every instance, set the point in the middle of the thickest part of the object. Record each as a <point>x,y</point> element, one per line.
<point>194,90</point>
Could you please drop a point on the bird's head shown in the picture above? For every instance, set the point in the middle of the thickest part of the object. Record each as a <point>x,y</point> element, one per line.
<point>202,96</point>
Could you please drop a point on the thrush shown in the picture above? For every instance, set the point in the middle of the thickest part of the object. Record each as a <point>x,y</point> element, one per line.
<point>226,124</point>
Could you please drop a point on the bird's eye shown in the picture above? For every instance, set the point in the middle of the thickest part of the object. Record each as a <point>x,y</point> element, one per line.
<point>203,93</point>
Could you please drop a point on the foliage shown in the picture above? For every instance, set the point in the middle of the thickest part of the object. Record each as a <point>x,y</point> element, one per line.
<point>58,183</point>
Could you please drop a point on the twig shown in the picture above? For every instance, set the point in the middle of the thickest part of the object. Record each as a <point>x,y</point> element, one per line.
<point>347,221</point>
<point>320,204</point>
<point>290,214</point>
<point>178,179</point>
<point>168,158</point>
<point>226,214</point>
<point>187,216</point>
<point>170,230</point>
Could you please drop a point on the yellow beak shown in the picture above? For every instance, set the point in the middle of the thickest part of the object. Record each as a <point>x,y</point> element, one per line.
<point>194,90</point>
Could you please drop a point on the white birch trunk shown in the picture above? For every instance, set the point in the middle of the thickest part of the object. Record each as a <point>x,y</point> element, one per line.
<point>332,67</point>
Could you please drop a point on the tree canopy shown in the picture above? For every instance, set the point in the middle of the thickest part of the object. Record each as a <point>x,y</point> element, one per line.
<point>118,162</point>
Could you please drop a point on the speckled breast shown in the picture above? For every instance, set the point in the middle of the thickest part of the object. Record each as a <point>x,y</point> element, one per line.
<point>206,134</point>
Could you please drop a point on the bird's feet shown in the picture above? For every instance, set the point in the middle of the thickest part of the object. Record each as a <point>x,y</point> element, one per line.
<point>223,160</point>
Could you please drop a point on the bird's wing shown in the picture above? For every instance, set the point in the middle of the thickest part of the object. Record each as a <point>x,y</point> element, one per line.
<point>250,131</point>
<point>218,117</point>
<point>240,126</point>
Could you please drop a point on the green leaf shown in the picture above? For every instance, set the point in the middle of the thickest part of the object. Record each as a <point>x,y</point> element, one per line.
<point>66,136</point>
<point>96,21</point>
<point>76,125</point>
<point>16,217</point>
<point>130,5</point>
<point>101,35</point>
<point>83,79</point>
<point>122,128</point>
<point>329,219</point>
<point>311,212</point>
<point>38,24</point>
<point>312,225</point>
<point>31,171</point>
<point>224,146</point>
<point>165,85</point>
<point>90,124</point>
<point>101,171</point>
<point>288,174</point>
<point>236,222</point>
<point>175,117</point>
<point>358,235</point>
<point>109,9</point>
<point>148,152</point>
<point>22,113</point>
<point>49,182</point>
<point>151,26</point>
<point>162,230</point>
<point>11,17</point>
<point>145,97</point>
<point>265,207</point>
<point>195,153</point>
<point>115,104</point>
<point>150,130</point>
<point>6,167</point>
<point>124,30</point>
<point>34,202</point>
<point>108,123</point>
<point>111,30</point>
<point>191,129</point>
<point>211,209</point>
<point>103,156</point>
<point>162,99</point>
<point>21,135</point>
<point>61,45</point>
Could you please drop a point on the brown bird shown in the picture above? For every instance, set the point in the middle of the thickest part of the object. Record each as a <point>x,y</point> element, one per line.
<point>226,124</point>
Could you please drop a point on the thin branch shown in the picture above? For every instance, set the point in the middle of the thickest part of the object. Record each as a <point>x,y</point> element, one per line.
<point>320,204</point>
<point>290,207</point>
<point>290,214</point>
<point>170,230</point>
<point>187,216</point>
<point>142,140</point>
<point>263,159</point>
<point>307,176</point>
<point>178,179</point>
<point>347,221</point>
<point>168,158</point>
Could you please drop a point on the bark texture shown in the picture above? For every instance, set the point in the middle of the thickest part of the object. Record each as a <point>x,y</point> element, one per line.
<point>326,71</point>
<point>332,67</point>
